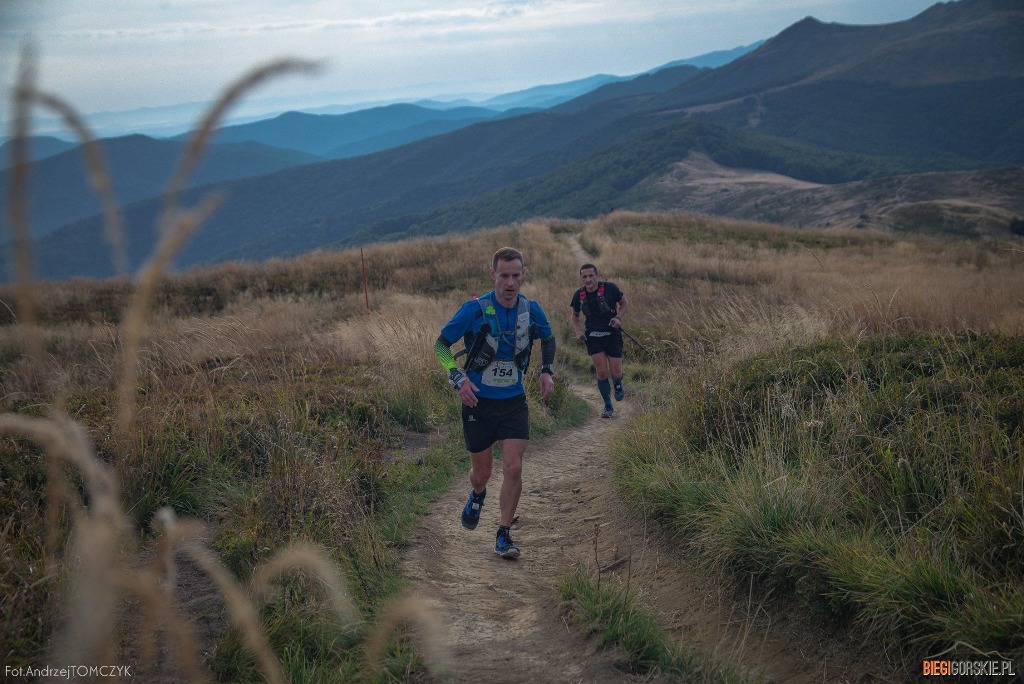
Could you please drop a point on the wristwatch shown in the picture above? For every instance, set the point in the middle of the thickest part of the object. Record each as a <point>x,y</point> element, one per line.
<point>546,368</point>
<point>456,378</point>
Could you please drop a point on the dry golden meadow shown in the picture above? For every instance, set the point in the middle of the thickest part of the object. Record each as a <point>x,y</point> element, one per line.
<point>245,423</point>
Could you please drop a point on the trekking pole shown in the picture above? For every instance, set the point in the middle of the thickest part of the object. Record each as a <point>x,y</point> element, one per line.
<point>635,341</point>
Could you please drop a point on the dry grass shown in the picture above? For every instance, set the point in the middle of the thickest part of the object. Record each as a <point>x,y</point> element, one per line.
<point>689,274</point>
<point>265,400</point>
<point>314,353</point>
<point>221,393</point>
<point>100,562</point>
<point>294,386</point>
<point>828,412</point>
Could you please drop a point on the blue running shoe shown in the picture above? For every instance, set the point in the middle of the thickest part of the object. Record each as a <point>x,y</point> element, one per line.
<point>504,546</point>
<point>607,412</point>
<point>619,392</point>
<point>471,513</point>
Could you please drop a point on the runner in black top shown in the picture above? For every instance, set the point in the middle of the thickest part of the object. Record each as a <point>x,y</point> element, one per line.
<point>603,304</point>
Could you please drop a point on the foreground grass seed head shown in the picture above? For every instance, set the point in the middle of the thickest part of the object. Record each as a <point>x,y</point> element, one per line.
<point>101,562</point>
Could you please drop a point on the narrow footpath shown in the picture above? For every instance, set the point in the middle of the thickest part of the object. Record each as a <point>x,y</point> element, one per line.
<point>498,619</point>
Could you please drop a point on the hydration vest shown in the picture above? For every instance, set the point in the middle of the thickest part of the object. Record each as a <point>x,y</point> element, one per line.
<point>602,303</point>
<point>482,345</point>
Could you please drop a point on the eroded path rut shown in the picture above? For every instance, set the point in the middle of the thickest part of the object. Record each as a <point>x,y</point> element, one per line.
<point>498,619</point>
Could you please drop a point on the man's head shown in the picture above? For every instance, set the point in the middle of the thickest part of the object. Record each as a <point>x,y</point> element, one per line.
<point>507,271</point>
<point>588,276</point>
<point>507,254</point>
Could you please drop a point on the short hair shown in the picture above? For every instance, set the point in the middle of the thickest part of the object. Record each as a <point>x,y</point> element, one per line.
<point>588,266</point>
<point>507,254</point>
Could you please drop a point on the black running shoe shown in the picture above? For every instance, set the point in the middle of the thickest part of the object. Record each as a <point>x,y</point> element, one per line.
<point>504,546</point>
<point>471,512</point>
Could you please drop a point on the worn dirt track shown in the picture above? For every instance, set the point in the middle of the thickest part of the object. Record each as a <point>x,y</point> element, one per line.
<point>499,621</point>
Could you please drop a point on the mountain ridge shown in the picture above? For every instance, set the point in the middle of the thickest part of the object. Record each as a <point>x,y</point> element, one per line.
<point>753,99</point>
<point>320,134</point>
<point>60,191</point>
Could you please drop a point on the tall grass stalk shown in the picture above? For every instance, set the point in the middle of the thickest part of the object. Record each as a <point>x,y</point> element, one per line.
<point>175,226</point>
<point>100,562</point>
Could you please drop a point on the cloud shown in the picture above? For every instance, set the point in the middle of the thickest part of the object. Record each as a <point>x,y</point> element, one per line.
<point>121,20</point>
<point>191,47</point>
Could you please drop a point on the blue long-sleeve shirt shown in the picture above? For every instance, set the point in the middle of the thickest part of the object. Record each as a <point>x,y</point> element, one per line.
<point>469,319</point>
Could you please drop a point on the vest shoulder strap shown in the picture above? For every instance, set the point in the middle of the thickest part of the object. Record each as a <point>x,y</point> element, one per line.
<point>523,303</point>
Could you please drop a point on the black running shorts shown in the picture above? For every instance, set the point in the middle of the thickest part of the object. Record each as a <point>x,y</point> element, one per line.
<point>492,420</point>
<point>609,344</point>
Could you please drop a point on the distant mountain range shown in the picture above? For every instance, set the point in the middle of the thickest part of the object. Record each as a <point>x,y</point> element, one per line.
<point>174,120</point>
<point>141,165</point>
<point>824,104</point>
<point>335,136</point>
<point>139,168</point>
<point>39,147</point>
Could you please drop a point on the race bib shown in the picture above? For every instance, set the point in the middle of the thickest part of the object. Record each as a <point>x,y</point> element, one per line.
<point>501,373</point>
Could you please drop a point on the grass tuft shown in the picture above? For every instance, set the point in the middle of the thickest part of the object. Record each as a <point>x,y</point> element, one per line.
<point>615,616</point>
<point>856,476</point>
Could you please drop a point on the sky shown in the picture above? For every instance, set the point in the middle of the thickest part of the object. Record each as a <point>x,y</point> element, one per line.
<point>115,55</point>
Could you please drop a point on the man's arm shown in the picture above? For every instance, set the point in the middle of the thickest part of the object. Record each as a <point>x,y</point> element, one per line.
<point>443,352</point>
<point>577,329</point>
<point>547,353</point>
<point>456,378</point>
<point>546,381</point>
<point>620,309</point>
<point>543,331</point>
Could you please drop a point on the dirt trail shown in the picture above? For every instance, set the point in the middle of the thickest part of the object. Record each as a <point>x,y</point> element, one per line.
<point>500,622</point>
<point>499,618</point>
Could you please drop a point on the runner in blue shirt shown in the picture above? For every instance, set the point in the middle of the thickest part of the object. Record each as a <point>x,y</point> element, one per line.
<point>498,329</point>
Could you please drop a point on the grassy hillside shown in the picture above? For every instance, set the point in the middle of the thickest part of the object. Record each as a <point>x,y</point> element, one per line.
<point>270,406</point>
<point>618,178</point>
<point>828,418</point>
<point>985,203</point>
<point>818,411</point>
<point>866,119</point>
<point>953,42</point>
